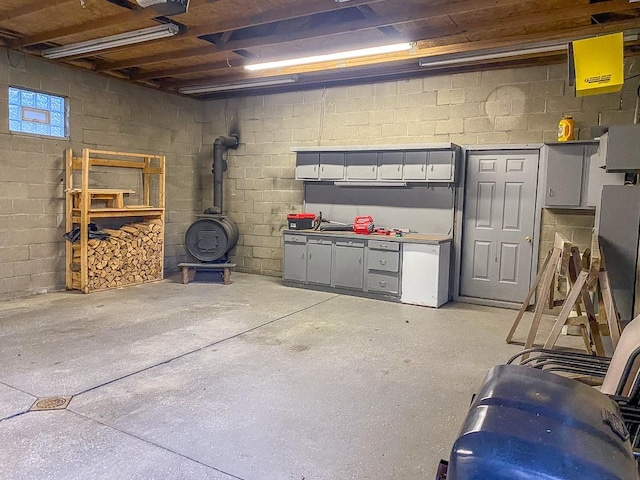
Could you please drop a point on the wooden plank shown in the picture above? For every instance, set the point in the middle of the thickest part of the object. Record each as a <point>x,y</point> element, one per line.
<point>561,242</point>
<point>146,182</point>
<point>104,162</point>
<point>122,154</point>
<point>68,225</point>
<point>525,303</point>
<point>161,203</point>
<point>540,301</point>
<point>573,295</point>
<point>84,222</point>
<point>31,7</point>
<point>594,261</point>
<point>103,191</point>
<point>609,308</point>
<point>592,321</point>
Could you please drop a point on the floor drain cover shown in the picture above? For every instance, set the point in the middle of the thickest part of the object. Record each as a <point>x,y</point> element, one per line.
<point>51,403</point>
<point>300,348</point>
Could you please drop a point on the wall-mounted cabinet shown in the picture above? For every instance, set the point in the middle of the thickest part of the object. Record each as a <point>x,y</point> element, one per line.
<point>573,175</point>
<point>362,165</point>
<point>371,165</point>
<point>370,265</point>
<point>390,165</point>
<point>320,166</point>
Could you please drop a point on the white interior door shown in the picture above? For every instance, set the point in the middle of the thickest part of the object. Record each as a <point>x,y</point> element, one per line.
<point>498,222</point>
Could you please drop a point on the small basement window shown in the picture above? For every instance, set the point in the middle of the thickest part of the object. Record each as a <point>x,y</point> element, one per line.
<point>37,113</point>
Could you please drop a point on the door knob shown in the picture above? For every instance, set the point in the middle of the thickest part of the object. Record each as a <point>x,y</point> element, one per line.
<point>527,239</point>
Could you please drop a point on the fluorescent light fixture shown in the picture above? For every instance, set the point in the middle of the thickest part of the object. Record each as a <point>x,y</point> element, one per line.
<point>98,44</point>
<point>458,59</point>
<point>363,52</point>
<point>223,87</point>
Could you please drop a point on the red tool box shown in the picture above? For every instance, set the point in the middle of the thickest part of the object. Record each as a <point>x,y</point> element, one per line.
<point>301,221</point>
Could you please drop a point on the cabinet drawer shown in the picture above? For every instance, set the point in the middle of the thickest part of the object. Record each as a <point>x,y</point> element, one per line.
<point>350,243</point>
<point>380,260</point>
<point>320,241</point>
<point>295,238</point>
<point>382,283</point>
<point>380,245</point>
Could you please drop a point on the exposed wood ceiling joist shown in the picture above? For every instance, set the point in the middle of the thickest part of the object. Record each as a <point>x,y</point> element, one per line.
<point>218,37</point>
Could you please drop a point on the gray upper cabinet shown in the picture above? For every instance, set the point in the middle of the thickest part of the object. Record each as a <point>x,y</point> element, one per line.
<point>331,166</point>
<point>362,165</point>
<point>308,166</point>
<point>415,165</point>
<point>440,166</point>
<point>565,167</point>
<point>390,167</point>
<point>369,164</point>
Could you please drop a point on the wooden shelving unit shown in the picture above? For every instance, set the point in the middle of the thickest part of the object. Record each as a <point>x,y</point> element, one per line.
<point>140,241</point>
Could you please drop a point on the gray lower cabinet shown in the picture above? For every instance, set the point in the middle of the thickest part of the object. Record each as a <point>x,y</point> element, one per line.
<point>319,261</point>
<point>348,264</point>
<point>372,267</point>
<point>383,266</point>
<point>295,258</point>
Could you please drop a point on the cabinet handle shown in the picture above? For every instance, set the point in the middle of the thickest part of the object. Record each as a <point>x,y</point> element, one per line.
<point>360,260</point>
<point>383,262</point>
<point>302,255</point>
<point>422,168</point>
<point>383,283</point>
<point>550,193</point>
<point>315,168</point>
<point>398,167</point>
<point>432,167</point>
<point>309,254</point>
<point>373,169</point>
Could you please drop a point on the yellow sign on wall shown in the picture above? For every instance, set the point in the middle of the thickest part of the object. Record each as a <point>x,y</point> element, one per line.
<point>599,64</point>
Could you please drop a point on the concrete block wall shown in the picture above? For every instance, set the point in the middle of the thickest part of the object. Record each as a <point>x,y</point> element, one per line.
<point>507,106</point>
<point>105,113</point>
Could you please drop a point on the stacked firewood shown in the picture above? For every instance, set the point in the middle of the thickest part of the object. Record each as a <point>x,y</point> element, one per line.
<point>132,254</point>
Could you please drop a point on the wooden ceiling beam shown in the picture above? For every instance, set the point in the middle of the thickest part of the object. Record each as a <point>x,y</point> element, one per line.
<point>496,24</point>
<point>189,69</point>
<point>91,25</point>
<point>421,52</point>
<point>427,12</point>
<point>31,7</point>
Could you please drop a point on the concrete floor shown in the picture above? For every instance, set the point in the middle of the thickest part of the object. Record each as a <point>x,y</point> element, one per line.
<point>248,381</point>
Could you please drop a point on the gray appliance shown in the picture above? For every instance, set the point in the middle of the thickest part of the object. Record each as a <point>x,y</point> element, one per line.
<point>620,148</point>
<point>619,231</point>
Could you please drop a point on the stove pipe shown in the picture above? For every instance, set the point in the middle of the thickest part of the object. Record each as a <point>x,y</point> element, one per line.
<point>220,145</point>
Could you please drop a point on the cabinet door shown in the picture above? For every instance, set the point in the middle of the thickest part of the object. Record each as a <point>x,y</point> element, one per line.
<point>348,268</point>
<point>440,166</point>
<point>415,166</point>
<point>332,166</point>
<point>319,262</point>
<point>307,165</point>
<point>564,175</point>
<point>295,262</point>
<point>391,165</point>
<point>362,165</point>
